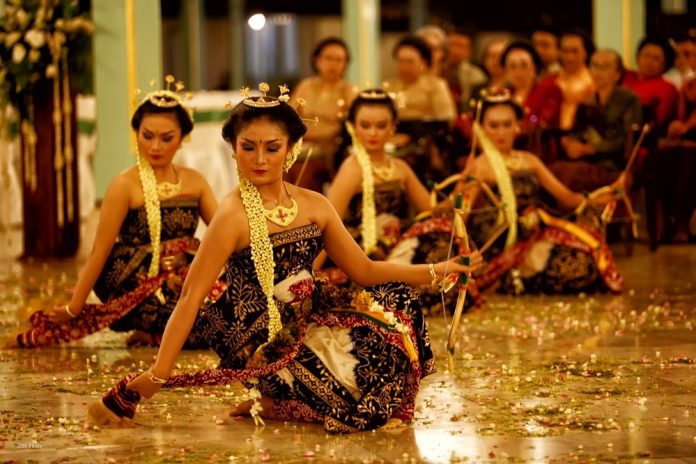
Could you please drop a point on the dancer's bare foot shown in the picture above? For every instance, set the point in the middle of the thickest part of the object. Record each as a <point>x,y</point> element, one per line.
<point>244,408</point>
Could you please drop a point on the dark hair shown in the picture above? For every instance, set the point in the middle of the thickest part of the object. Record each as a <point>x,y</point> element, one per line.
<point>493,101</point>
<point>679,38</point>
<point>147,107</point>
<point>371,97</point>
<point>587,41</point>
<point>519,45</point>
<point>242,115</point>
<point>619,61</point>
<point>462,30</point>
<point>546,29</point>
<point>419,44</point>
<point>664,44</point>
<point>325,43</point>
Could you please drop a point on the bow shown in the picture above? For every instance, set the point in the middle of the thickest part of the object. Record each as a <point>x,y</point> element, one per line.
<point>466,208</point>
<point>459,230</point>
<point>607,214</point>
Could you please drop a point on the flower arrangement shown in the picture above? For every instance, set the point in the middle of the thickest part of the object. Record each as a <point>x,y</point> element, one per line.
<point>40,40</point>
<point>46,44</point>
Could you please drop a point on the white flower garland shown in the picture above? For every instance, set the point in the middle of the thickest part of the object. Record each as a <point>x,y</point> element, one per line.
<point>368,226</point>
<point>152,210</point>
<point>261,249</point>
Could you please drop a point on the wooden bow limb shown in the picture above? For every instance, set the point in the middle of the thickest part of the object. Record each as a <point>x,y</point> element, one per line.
<point>459,229</point>
<point>304,166</point>
<point>467,180</point>
<point>636,148</point>
<point>494,236</point>
<point>607,214</point>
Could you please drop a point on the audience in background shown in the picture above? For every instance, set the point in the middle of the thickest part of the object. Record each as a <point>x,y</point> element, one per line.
<point>684,62</point>
<point>545,42</point>
<point>658,96</point>
<point>461,74</point>
<point>595,150</point>
<point>574,78</point>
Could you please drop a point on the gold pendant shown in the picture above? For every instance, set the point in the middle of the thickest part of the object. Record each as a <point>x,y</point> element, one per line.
<point>168,190</point>
<point>281,215</point>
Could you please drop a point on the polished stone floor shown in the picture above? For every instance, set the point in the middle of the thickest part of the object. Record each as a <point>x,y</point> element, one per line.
<point>537,379</point>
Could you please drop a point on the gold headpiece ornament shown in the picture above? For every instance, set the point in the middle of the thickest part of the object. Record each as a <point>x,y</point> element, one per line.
<point>498,96</point>
<point>265,101</point>
<point>377,94</point>
<point>169,97</point>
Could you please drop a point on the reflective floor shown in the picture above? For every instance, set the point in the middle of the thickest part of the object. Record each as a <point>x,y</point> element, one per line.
<point>537,379</point>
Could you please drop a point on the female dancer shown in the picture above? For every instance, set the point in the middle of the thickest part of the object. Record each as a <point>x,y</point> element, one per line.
<point>555,255</point>
<point>375,194</point>
<point>351,360</point>
<point>373,191</point>
<point>144,241</point>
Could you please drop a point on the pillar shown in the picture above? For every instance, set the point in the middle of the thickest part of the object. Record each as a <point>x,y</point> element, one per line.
<point>619,24</point>
<point>114,93</point>
<point>361,23</point>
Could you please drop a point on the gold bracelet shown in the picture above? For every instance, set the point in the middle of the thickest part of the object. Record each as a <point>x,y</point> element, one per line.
<point>67,310</point>
<point>153,378</point>
<point>435,278</point>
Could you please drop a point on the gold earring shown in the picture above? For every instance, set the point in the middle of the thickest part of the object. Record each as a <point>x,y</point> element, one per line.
<point>292,155</point>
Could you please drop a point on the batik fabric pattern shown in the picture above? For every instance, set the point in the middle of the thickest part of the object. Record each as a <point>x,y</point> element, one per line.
<point>129,299</point>
<point>334,362</point>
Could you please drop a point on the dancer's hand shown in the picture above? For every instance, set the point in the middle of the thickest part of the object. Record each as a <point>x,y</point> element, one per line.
<point>615,190</point>
<point>60,315</point>
<point>454,265</point>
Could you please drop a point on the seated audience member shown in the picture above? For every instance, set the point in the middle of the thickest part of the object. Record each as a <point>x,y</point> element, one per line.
<point>574,79</point>
<point>684,61</point>
<point>461,74</point>
<point>539,98</point>
<point>545,42</point>
<point>490,60</point>
<point>659,96</point>
<point>436,39</point>
<point>327,95</point>
<point>425,105</point>
<point>596,148</point>
<point>676,168</point>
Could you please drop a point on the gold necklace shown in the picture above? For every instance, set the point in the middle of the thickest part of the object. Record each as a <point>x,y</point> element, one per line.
<point>384,172</point>
<point>281,215</point>
<point>514,161</point>
<point>167,190</point>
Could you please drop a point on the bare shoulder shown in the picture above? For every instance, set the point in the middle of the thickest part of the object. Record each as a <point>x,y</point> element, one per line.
<point>531,159</point>
<point>124,183</point>
<point>350,164</point>
<point>306,196</point>
<point>231,205</point>
<point>402,165</point>
<point>319,207</point>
